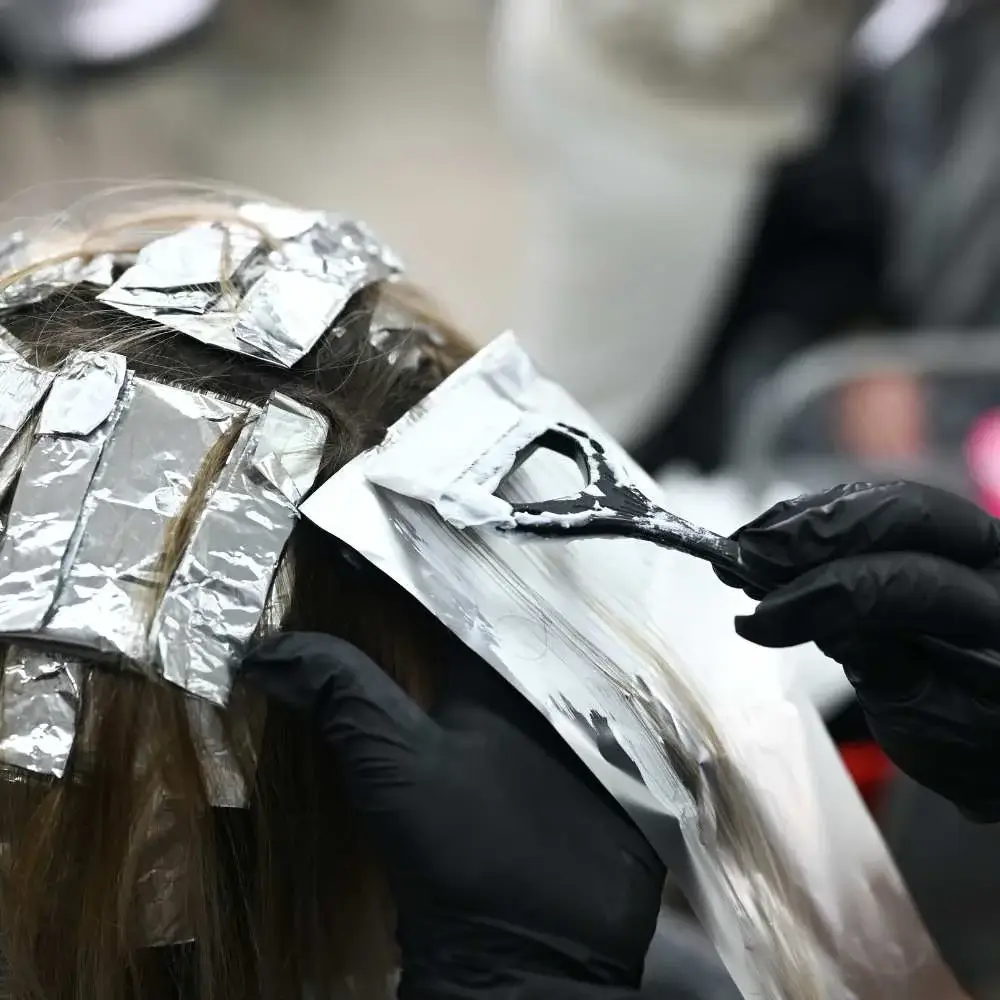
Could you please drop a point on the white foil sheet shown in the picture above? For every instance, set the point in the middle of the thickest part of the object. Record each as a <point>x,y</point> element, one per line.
<point>227,285</point>
<point>595,633</point>
<point>215,600</point>
<point>39,702</point>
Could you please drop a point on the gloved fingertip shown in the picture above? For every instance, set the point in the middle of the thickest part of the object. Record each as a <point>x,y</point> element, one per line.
<point>291,647</point>
<point>728,578</point>
<point>770,628</point>
<point>749,627</point>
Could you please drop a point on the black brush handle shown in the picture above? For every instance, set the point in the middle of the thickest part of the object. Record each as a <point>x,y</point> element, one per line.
<point>610,508</point>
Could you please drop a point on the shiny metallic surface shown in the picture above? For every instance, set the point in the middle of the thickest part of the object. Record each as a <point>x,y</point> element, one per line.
<point>163,891</point>
<point>22,389</point>
<point>217,597</point>
<point>728,772</point>
<point>112,461</point>
<point>112,579</point>
<point>39,702</point>
<point>285,313</point>
<point>225,780</point>
<point>269,290</point>
<point>75,420</point>
<point>26,277</point>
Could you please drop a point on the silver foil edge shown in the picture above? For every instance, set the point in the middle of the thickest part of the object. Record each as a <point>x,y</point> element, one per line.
<point>54,482</point>
<point>143,481</point>
<point>39,705</point>
<point>27,276</point>
<point>217,597</point>
<point>273,305</point>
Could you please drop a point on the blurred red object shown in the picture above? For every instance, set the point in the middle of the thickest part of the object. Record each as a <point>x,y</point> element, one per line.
<point>869,767</point>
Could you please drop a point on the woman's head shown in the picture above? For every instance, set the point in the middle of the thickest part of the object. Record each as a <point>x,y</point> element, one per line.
<point>129,848</point>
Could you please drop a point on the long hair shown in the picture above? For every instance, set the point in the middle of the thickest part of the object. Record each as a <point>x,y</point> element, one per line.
<point>281,899</point>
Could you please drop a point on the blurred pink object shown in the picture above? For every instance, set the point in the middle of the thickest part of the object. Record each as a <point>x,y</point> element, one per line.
<point>882,418</point>
<point>982,455</point>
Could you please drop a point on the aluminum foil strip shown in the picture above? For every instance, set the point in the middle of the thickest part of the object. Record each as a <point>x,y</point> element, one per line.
<point>217,597</point>
<point>40,697</point>
<point>683,725</point>
<point>83,404</point>
<point>39,702</point>
<point>277,302</point>
<point>113,575</point>
<point>164,891</point>
<point>22,389</point>
<point>40,280</point>
<point>226,783</point>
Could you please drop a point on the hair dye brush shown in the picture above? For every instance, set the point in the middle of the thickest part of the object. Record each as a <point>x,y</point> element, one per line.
<point>460,452</point>
<point>608,507</point>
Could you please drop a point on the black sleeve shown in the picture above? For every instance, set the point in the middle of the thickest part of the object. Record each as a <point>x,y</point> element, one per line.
<point>812,264</point>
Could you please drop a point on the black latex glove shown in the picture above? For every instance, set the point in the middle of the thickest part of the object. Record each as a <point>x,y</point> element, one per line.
<point>514,872</point>
<point>865,572</point>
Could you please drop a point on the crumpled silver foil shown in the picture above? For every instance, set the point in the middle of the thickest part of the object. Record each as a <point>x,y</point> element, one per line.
<point>107,466</point>
<point>40,280</point>
<point>82,404</point>
<point>269,295</point>
<point>22,389</point>
<point>39,702</point>
<point>215,600</point>
<point>163,902</point>
<point>111,462</point>
<point>111,573</point>
<point>704,746</point>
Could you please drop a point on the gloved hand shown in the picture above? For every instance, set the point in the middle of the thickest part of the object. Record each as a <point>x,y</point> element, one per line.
<point>901,585</point>
<point>515,874</point>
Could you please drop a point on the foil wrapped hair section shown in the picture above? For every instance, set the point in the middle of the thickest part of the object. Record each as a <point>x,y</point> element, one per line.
<point>39,703</point>
<point>22,389</point>
<point>242,531</point>
<point>267,285</point>
<point>29,277</point>
<point>112,572</point>
<point>68,441</point>
<point>96,560</point>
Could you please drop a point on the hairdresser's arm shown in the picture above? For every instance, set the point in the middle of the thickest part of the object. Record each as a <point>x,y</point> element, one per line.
<point>863,571</point>
<point>514,873</point>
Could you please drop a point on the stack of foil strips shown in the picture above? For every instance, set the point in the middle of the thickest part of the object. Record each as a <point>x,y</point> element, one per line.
<point>27,282</point>
<point>108,463</point>
<point>267,282</point>
<point>268,287</point>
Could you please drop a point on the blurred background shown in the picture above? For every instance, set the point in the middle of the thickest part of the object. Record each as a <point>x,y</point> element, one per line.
<point>380,107</point>
<point>757,238</point>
